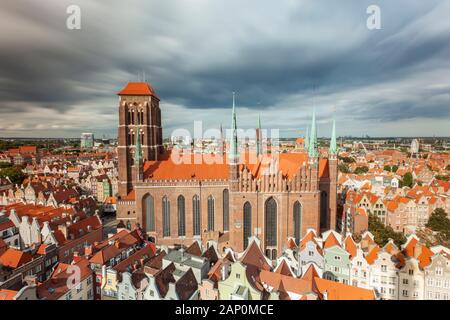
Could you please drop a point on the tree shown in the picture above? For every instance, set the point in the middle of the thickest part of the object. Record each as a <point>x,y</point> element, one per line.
<point>443,178</point>
<point>343,168</point>
<point>383,233</point>
<point>394,168</point>
<point>361,170</point>
<point>387,168</point>
<point>440,223</point>
<point>408,180</point>
<point>15,174</point>
<point>447,167</point>
<point>347,159</point>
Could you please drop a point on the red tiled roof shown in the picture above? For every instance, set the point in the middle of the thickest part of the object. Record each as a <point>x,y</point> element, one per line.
<point>283,268</point>
<point>57,285</point>
<point>331,241</point>
<point>350,246</point>
<point>372,255</point>
<point>6,294</point>
<point>13,258</point>
<point>173,166</point>
<point>340,291</point>
<point>137,89</point>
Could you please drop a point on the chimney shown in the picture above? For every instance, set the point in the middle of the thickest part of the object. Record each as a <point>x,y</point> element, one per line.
<point>31,280</point>
<point>223,272</point>
<point>88,250</point>
<point>417,250</point>
<point>63,229</point>
<point>117,244</point>
<point>325,295</point>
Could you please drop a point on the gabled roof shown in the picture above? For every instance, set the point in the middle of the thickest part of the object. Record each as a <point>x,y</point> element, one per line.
<point>350,246</point>
<point>310,273</point>
<point>291,243</point>
<point>253,256</point>
<point>285,284</point>
<point>283,268</point>
<point>57,285</point>
<point>211,255</point>
<point>144,254</point>
<point>137,89</point>
<point>194,249</point>
<point>331,241</point>
<point>6,294</point>
<point>339,291</point>
<point>372,255</point>
<point>163,278</point>
<point>186,285</point>
<point>13,258</point>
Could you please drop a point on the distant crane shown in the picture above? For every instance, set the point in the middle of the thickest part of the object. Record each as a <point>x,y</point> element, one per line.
<point>356,146</point>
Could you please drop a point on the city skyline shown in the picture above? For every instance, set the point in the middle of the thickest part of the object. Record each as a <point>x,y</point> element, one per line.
<point>381,83</point>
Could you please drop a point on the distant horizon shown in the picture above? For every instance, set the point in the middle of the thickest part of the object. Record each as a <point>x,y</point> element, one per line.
<point>282,137</point>
<point>281,58</point>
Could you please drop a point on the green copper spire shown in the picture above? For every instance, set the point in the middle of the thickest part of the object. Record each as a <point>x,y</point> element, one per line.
<point>259,137</point>
<point>138,151</point>
<point>312,151</point>
<point>333,145</point>
<point>233,141</point>
<point>306,143</point>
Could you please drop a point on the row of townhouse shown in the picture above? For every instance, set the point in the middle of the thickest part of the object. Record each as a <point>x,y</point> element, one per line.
<point>44,193</point>
<point>413,272</point>
<point>405,210</point>
<point>194,273</point>
<point>40,237</point>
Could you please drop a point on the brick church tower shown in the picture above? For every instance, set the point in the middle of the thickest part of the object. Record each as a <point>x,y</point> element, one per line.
<point>139,123</point>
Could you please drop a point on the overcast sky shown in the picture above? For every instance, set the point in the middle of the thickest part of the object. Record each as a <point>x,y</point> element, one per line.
<point>281,57</point>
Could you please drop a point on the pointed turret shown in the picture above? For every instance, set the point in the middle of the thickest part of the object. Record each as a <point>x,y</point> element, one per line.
<point>233,156</point>
<point>333,145</point>
<point>312,150</point>
<point>259,138</point>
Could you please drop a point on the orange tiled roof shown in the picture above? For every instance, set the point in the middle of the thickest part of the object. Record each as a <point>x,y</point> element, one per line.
<point>187,166</point>
<point>283,268</point>
<point>6,294</point>
<point>340,291</point>
<point>13,258</point>
<point>372,255</point>
<point>331,241</point>
<point>350,246</point>
<point>137,89</point>
<point>57,285</point>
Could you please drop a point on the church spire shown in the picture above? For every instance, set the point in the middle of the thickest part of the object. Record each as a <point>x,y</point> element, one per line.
<point>233,157</point>
<point>259,137</point>
<point>333,145</point>
<point>312,151</point>
<point>306,143</point>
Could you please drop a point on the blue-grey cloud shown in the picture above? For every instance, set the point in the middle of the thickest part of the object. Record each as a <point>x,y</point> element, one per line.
<point>281,57</point>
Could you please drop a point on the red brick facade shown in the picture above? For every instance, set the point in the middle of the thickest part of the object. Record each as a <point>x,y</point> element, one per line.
<point>298,179</point>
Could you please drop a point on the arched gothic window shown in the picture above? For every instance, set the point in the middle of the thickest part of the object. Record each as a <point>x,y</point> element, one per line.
<point>166,216</point>
<point>196,215</point>
<point>181,217</point>
<point>247,222</point>
<point>210,213</point>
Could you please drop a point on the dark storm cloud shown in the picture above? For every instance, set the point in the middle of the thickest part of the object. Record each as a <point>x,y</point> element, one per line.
<point>281,57</point>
